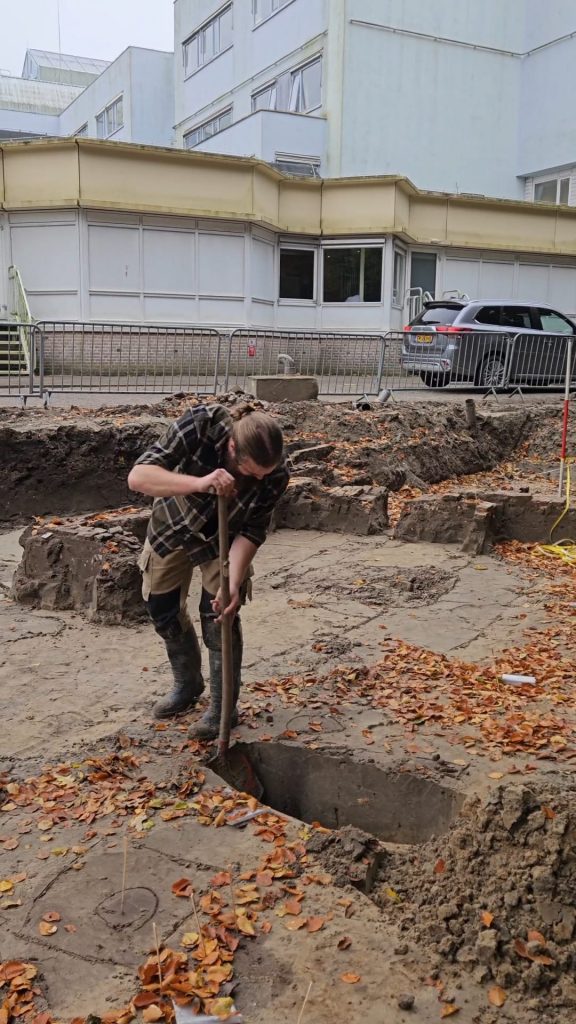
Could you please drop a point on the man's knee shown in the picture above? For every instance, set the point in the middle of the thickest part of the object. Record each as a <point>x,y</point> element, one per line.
<point>168,616</point>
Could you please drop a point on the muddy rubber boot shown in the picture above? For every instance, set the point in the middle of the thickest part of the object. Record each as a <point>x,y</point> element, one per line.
<point>209,725</point>
<point>186,662</point>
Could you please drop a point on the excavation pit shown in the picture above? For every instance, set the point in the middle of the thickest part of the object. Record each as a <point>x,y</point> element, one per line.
<point>335,791</point>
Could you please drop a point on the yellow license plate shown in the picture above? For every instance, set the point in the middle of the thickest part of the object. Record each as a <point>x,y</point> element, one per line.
<point>424,339</point>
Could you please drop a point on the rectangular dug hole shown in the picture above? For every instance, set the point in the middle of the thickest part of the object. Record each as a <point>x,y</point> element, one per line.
<point>312,786</point>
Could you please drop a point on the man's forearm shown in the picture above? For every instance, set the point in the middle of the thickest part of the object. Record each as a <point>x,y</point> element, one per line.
<point>158,482</point>
<point>242,552</point>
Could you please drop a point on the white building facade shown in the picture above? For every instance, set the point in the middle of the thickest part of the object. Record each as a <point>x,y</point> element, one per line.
<point>455,95</point>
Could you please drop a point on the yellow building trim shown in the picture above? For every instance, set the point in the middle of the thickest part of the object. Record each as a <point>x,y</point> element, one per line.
<point>64,173</point>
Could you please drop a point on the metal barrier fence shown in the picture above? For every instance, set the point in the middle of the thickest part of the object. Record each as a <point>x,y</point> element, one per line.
<point>39,359</point>
<point>129,358</point>
<point>343,364</point>
<point>478,361</point>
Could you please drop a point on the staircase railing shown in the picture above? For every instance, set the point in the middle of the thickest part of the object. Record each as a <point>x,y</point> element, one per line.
<point>20,311</point>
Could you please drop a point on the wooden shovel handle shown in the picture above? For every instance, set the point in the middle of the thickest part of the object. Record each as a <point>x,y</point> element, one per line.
<point>226,628</point>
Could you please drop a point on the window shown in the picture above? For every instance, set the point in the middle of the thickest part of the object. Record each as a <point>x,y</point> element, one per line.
<point>518,317</point>
<point>399,277</point>
<point>353,275</point>
<point>439,315</point>
<point>298,91</point>
<point>213,38</point>
<point>553,323</point>
<point>298,167</point>
<point>208,129</point>
<point>110,119</point>
<point>554,190</point>
<point>489,315</point>
<point>297,273</point>
<point>82,131</point>
<point>266,8</point>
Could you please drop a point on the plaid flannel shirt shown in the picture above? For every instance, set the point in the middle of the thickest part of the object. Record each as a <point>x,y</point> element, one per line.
<point>197,444</point>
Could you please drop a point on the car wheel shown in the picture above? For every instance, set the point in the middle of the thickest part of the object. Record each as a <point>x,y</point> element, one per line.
<point>491,372</point>
<point>435,380</point>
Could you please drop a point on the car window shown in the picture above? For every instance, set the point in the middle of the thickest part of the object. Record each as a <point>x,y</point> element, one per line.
<point>517,317</point>
<point>438,315</point>
<point>554,323</point>
<point>488,315</point>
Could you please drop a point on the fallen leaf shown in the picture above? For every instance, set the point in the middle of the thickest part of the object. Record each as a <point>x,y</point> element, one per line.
<point>152,1013</point>
<point>71,928</point>
<point>183,888</point>
<point>19,878</point>
<point>47,929</point>
<point>350,979</point>
<point>496,775</point>
<point>222,1007</point>
<point>11,844</point>
<point>487,918</point>
<point>345,942</point>
<point>315,924</point>
<point>190,939</point>
<point>51,916</point>
<point>223,878</point>
<point>497,996</point>
<point>392,895</point>
<point>6,886</point>
<point>440,867</point>
<point>548,813</point>
<point>449,1010</point>
<point>266,927</point>
<point>534,936</point>
<point>244,925</point>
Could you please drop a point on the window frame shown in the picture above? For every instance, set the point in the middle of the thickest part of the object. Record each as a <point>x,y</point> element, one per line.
<point>262,21</point>
<point>105,113</point>
<point>290,74</point>
<point>398,300</point>
<point>81,131</point>
<point>558,180</point>
<point>203,124</point>
<point>197,37</point>
<point>363,247</point>
<point>299,247</point>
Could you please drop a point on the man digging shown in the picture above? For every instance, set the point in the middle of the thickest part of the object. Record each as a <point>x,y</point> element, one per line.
<point>207,452</point>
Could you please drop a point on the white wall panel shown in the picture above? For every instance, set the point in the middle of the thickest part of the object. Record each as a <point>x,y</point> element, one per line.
<point>168,258</point>
<point>532,283</point>
<point>114,255</point>
<point>462,276</point>
<point>221,265</point>
<point>496,280</point>
<point>263,278</point>
<point>562,288</point>
<point>169,309</point>
<point>46,255</point>
<point>115,307</point>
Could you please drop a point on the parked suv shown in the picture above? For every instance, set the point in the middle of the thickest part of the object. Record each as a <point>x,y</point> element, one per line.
<point>468,342</point>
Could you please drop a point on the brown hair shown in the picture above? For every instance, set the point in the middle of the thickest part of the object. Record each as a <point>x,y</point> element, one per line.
<point>257,436</point>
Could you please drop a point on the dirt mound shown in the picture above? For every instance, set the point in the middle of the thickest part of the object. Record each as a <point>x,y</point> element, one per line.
<point>544,433</point>
<point>496,896</point>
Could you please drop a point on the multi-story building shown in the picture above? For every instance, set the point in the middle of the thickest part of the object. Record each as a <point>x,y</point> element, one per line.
<point>456,95</point>
<point>129,100</point>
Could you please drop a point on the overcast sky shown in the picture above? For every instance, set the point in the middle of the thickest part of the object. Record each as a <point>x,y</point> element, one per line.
<point>88,28</point>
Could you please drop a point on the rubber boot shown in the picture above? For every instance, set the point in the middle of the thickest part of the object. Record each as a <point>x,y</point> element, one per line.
<point>186,662</point>
<point>209,725</point>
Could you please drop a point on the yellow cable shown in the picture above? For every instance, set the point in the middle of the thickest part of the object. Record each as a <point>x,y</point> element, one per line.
<point>563,549</point>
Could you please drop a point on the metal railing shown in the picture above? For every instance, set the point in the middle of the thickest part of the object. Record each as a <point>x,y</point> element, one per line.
<point>20,345</point>
<point>151,359</point>
<point>129,358</point>
<point>20,314</point>
<point>489,362</point>
<point>343,364</point>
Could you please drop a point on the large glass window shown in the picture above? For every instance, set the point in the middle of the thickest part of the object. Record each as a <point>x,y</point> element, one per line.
<point>208,128</point>
<point>110,119</point>
<point>213,38</point>
<point>553,190</point>
<point>399,277</point>
<point>298,91</point>
<point>353,275</point>
<point>265,8</point>
<point>297,273</point>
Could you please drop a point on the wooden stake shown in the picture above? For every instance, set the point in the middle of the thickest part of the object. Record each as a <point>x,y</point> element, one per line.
<point>157,953</point>
<point>124,874</point>
<point>306,998</point>
<point>200,936</point>
<point>233,899</point>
